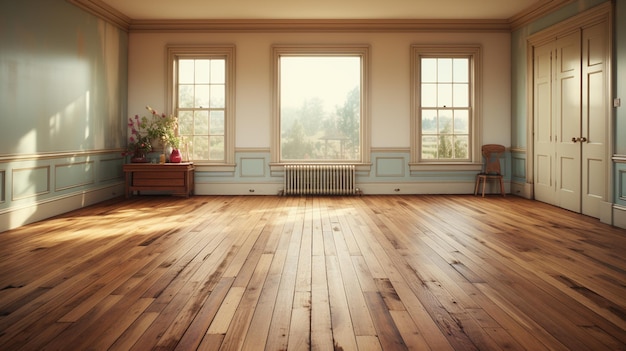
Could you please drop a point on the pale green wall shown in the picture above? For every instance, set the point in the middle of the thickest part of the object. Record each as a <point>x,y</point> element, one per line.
<point>63,78</point>
<point>63,92</point>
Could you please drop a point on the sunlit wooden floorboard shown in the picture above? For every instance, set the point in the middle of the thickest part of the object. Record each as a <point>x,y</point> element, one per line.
<point>291,273</point>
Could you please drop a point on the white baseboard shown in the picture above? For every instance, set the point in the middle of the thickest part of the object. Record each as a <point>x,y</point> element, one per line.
<point>33,212</point>
<point>237,188</point>
<point>619,216</point>
<point>524,190</point>
<point>366,188</point>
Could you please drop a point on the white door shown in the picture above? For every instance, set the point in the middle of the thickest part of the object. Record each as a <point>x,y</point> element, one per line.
<point>571,118</point>
<point>543,124</point>
<point>567,102</point>
<point>595,112</point>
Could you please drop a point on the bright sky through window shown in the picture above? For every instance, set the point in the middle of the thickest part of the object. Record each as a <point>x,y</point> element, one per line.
<point>327,78</point>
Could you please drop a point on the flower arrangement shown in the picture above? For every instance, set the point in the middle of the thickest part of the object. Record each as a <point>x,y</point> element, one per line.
<point>163,128</point>
<point>138,142</point>
<point>143,130</point>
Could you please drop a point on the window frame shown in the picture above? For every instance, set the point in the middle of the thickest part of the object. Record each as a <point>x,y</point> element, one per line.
<point>473,52</point>
<point>363,51</point>
<point>227,52</point>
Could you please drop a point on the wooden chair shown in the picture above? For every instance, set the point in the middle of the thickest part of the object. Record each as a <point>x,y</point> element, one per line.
<point>491,167</point>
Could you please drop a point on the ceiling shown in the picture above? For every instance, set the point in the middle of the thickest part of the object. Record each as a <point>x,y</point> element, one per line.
<point>321,9</point>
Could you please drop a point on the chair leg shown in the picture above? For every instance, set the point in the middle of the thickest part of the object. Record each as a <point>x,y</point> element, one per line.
<point>476,186</point>
<point>502,188</point>
<point>484,185</point>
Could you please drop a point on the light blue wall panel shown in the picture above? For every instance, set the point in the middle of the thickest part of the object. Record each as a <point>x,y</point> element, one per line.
<point>3,185</point>
<point>518,166</point>
<point>30,181</point>
<point>73,175</point>
<point>390,166</point>
<point>252,167</point>
<point>110,169</point>
<point>620,182</point>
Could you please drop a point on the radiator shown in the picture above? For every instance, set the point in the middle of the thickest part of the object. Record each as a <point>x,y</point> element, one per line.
<point>319,179</point>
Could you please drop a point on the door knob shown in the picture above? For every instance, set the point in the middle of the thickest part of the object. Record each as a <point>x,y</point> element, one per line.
<point>582,139</point>
<point>574,139</point>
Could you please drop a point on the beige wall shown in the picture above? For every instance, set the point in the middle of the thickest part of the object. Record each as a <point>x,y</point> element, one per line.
<point>389,78</point>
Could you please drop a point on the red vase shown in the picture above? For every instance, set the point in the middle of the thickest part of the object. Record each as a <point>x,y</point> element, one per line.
<point>176,157</point>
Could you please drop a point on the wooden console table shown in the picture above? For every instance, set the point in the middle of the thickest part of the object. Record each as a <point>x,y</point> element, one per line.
<point>174,177</point>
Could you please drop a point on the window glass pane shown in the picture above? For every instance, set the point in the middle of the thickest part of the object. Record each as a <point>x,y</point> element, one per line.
<point>320,107</point>
<point>445,146</point>
<point>200,147</point>
<point>429,121</point>
<point>217,123</point>
<point>461,70</point>
<point>185,71</point>
<point>429,95</point>
<point>185,123</point>
<point>185,96</point>
<point>461,95</point>
<point>444,95</point>
<point>201,123</point>
<point>429,147</point>
<point>202,71</point>
<point>216,148</point>
<point>218,71</point>
<point>217,96</point>
<point>444,70</point>
<point>429,70</point>
<point>202,96</point>
<point>461,147</point>
<point>445,122</point>
<point>461,122</point>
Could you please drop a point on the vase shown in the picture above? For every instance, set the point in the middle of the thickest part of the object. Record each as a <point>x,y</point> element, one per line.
<point>175,156</point>
<point>139,157</point>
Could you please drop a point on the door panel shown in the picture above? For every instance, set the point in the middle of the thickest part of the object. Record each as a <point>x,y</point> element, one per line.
<point>568,121</point>
<point>595,119</point>
<point>544,148</point>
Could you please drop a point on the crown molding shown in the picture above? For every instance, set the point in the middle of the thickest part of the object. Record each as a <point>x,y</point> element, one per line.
<point>535,12</point>
<point>104,11</point>
<point>318,25</point>
<point>112,15</point>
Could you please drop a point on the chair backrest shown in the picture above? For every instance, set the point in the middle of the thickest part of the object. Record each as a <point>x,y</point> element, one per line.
<point>492,154</point>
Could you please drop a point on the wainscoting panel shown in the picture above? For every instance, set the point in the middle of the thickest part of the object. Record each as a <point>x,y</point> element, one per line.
<point>620,176</point>
<point>390,166</point>
<point>252,167</point>
<point>30,181</point>
<point>37,187</point>
<point>110,169</point>
<point>3,186</point>
<point>73,175</point>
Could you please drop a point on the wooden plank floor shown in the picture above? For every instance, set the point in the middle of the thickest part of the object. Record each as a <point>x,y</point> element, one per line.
<point>320,273</point>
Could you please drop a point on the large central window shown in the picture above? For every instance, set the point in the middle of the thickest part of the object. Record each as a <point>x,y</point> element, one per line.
<point>320,104</point>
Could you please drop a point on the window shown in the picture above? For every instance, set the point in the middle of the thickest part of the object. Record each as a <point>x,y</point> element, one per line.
<point>320,107</point>
<point>203,99</point>
<point>445,105</point>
